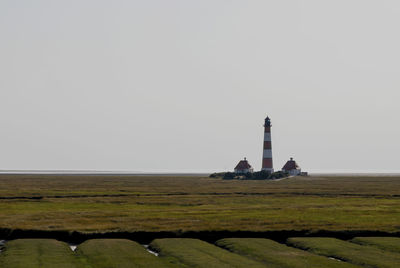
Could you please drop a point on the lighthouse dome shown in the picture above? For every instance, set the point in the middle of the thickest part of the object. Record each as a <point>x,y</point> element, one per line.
<point>267,122</point>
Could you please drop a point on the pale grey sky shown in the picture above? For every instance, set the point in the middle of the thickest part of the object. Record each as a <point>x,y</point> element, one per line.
<point>185,85</point>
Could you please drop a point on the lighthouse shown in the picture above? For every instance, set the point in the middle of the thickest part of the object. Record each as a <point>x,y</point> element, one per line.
<point>267,152</point>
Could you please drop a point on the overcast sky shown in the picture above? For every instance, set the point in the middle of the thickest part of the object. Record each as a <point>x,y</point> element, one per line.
<point>159,86</point>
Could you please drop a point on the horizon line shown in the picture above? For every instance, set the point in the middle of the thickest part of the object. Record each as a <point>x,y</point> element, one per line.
<point>176,173</point>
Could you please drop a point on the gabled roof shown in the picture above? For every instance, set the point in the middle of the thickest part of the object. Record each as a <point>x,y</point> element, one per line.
<point>290,165</point>
<point>243,164</point>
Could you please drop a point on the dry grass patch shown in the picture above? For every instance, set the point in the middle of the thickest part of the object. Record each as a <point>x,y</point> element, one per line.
<point>98,203</point>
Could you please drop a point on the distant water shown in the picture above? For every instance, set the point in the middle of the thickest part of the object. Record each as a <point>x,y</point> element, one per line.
<point>150,251</point>
<point>2,242</point>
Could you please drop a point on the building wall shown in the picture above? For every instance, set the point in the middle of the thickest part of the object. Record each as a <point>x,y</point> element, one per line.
<point>294,172</point>
<point>244,171</point>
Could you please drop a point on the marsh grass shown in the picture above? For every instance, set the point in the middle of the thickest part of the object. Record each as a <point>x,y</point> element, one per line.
<point>384,243</point>
<point>197,253</point>
<point>99,203</point>
<point>360,255</point>
<point>118,253</point>
<point>278,255</point>
<point>39,253</point>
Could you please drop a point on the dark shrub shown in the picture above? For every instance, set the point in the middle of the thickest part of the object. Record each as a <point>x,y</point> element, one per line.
<point>258,175</point>
<point>229,176</point>
<point>248,176</point>
<point>217,175</point>
<point>261,175</point>
<point>278,175</point>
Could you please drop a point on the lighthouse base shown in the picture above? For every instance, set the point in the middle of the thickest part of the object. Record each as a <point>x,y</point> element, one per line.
<point>270,170</point>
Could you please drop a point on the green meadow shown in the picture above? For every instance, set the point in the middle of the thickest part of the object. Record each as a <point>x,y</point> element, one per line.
<point>274,254</point>
<point>384,243</point>
<point>187,252</point>
<point>99,203</point>
<point>197,253</point>
<point>118,253</point>
<point>39,253</point>
<point>367,256</point>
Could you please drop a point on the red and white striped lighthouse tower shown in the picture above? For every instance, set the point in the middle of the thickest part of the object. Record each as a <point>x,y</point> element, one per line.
<point>267,153</point>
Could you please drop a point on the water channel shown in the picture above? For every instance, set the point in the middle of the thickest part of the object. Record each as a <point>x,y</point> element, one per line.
<point>72,246</point>
<point>2,243</point>
<point>151,251</point>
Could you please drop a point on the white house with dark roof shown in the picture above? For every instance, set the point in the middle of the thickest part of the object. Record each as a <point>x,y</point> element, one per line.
<point>243,167</point>
<point>292,168</point>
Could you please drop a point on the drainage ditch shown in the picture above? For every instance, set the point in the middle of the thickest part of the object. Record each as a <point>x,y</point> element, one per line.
<point>2,243</point>
<point>150,251</point>
<point>145,238</point>
<point>72,247</point>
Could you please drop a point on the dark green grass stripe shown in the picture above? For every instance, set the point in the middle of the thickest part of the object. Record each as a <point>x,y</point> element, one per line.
<point>361,255</point>
<point>118,253</point>
<point>197,253</point>
<point>384,243</point>
<point>276,254</point>
<point>39,253</point>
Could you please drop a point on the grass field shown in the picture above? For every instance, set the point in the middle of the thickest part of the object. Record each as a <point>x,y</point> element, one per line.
<point>186,252</point>
<point>384,243</point>
<point>118,253</point>
<point>361,255</point>
<point>39,253</point>
<point>160,203</point>
<point>278,255</point>
<point>197,253</point>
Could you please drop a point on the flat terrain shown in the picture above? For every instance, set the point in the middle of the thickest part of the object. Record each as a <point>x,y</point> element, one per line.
<point>275,254</point>
<point>367,256</point>
<point>39,253</point>
<point>186,252</point>
<point>100,203</point>
<point>117,253</point>
<point>197,253</point>
<point>384,243</point>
